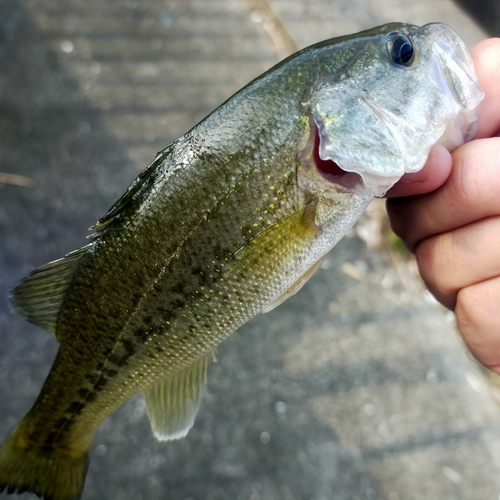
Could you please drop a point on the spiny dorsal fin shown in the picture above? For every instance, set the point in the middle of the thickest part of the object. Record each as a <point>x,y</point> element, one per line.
<point>143,178</point>
<point>39,296</point>
<point>173,403</point>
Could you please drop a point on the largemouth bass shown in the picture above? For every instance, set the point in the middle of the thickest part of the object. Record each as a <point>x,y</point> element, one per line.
<point>227,222</point>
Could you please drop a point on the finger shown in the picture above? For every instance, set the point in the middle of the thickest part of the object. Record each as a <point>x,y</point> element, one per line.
<point>435,172</point>
<point>478,321</point>
<point>486,57</point>
<point>450,261</point>
<point>469,194</point>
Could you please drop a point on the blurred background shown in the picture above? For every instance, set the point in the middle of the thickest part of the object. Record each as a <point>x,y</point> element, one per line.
<point>356,388</point>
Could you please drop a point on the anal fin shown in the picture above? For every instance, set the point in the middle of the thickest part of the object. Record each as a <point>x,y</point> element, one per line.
<point>173,403</point>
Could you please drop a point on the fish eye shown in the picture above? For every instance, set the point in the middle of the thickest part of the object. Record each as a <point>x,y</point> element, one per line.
<point>401,50</point>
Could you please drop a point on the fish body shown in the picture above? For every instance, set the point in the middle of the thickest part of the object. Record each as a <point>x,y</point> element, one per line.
<point>227,222</point>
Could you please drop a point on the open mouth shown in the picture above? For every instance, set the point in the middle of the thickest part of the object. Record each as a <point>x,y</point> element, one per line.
<point>330,171</point>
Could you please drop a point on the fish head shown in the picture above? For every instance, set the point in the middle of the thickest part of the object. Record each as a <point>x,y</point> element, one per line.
<point>400,90</point>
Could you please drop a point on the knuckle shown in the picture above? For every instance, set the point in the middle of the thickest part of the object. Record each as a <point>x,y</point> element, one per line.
<point>477,320</point>
<point>433,260</point>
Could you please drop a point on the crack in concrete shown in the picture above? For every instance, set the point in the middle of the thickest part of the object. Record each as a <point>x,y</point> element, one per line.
<point>278,36</point>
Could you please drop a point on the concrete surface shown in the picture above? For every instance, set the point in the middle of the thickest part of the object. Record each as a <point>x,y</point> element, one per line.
<point>356,388</point>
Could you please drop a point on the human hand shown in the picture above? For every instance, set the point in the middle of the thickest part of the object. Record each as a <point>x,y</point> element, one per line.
<point>449,216</point>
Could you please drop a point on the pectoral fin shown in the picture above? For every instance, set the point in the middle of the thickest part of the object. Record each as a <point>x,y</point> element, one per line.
<point>173,403</point>
<point>273,246</point>
<point>295,287</point>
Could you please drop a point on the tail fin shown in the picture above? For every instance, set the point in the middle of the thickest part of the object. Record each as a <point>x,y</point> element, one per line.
<point>49,473</point>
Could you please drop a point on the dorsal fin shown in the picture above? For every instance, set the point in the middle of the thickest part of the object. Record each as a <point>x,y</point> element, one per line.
<point>172,403</point>
<point>124,200</point>
<point>39,296</point>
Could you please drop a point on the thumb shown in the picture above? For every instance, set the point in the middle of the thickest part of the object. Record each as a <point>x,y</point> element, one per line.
<point>433,175</point>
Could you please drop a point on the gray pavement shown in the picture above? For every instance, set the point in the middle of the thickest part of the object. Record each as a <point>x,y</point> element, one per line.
<point>356,388</point>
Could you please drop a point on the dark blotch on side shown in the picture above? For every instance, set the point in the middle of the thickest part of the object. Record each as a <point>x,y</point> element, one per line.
<point>75,407</point>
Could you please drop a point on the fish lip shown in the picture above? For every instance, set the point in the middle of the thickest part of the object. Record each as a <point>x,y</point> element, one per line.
<point>452,53</point>
<point>458,78</point>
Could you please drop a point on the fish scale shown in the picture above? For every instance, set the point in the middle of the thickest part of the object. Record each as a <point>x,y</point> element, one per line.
<point>163,298</point>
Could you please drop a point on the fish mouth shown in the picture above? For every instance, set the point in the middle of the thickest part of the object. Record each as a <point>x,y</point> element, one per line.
<point>456,64</point>
<point>455,75</point>
<point>330,170</point>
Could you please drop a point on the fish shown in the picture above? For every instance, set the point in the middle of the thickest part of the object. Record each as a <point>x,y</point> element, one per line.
<point>227,222</point>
